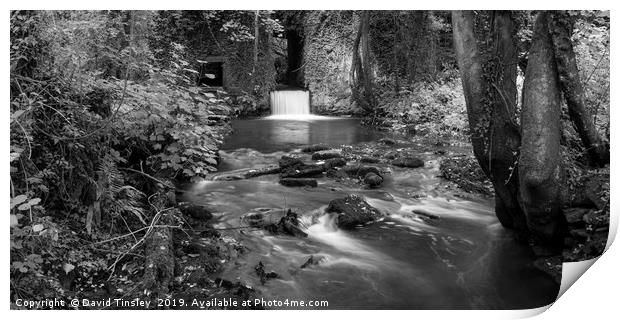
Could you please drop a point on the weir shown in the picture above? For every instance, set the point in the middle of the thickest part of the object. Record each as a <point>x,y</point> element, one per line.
<point>290,103</point>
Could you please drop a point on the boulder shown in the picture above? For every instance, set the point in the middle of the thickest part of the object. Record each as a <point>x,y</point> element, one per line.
<point>324,155</point>
<point>315,148</point>
<point>334,162</point>
<point>298,182</point>
<point>195,211</point>
<point>373,180</point>
<point>408,162</point>
<point>289,224</point>
<point>352,211</point>
<point>302,171</point>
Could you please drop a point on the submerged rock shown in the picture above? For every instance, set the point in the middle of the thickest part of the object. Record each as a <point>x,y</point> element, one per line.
<point>372,179</point>
<point>352,211</point>
<point>264,276</point>
<point>427,217</point>
<point>324,155</point>
<point>408,162</point>
<point>315,148</point>
<point>289,224</point>
<point>254,218</point>
<point>298,182</point>
<point>312,261</point>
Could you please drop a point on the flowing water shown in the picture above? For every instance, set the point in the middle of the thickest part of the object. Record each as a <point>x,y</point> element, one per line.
<point>463,260</point>
<point>287,103</point>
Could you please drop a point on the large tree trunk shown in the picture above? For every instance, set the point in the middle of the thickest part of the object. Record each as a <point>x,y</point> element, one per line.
<point>491,101</point>
<point>561,28</point>
<point>361,72</point>
<point>540,169</point>
<point>505,139</point>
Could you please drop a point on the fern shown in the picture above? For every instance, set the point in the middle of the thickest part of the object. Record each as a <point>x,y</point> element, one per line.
<point>117,198</point>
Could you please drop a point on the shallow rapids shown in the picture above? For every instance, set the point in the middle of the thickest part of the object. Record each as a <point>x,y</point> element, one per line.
<point>462,259</point>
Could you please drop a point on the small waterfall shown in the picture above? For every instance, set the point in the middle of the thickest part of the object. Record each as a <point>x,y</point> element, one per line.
<point>290,103</point>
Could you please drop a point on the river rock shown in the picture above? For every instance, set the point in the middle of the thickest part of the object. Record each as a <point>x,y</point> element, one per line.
<point>408,162</point>
<point>227,177</point>
<point>373,180</point>
<point>387,141</point>
<point>254,219</point>
<point>261,171</point>
<point>302,171</point>
<point>352,211</point>
<point>391,155</point>
<point>298,182</point>
<point>312,261</point>
<point>315,148</point>
<point>360,171</point>
<point>195,211</point>
<point>334,162</point>
<point>289,224</point>
<point>324,155</point>
<point>367,159</point>
<point>264,276</point>
<point>287,162</point>
<point>426,215</point>
<point>337,174</point>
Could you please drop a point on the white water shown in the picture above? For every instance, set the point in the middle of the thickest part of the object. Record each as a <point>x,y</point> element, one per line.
<point>289,103</point>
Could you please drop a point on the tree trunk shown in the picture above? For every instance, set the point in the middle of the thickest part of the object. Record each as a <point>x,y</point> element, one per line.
<point>361,77</point>
<point>561,27</point>
<point>540,169</point>
<point>256,39</point>
<point>490,101</point>
<point>505,138</point>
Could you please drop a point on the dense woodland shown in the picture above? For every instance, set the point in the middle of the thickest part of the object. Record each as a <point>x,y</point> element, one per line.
<point>112,111</point>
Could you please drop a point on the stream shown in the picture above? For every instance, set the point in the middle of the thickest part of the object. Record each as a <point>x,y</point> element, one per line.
<point>463,260</point>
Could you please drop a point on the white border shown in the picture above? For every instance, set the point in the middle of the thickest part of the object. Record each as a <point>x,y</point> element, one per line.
<point>594,295</point>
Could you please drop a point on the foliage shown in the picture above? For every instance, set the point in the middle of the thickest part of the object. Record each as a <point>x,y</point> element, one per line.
<point>466,173</point>
<point>98,125</point>
<point>436,108</point>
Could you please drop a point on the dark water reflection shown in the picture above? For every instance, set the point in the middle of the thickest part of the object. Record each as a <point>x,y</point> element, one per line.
<point>268,135</point>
